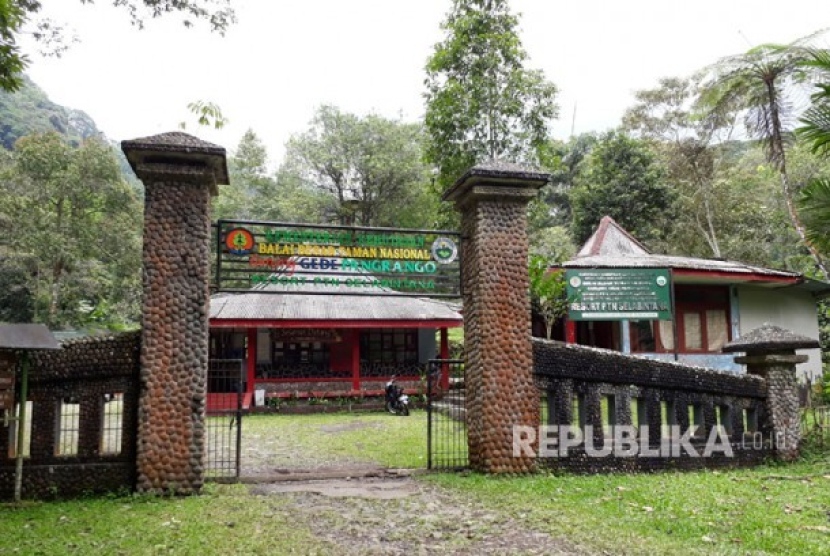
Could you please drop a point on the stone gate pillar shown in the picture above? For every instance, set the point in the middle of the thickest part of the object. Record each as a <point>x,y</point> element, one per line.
<point>500,390</point>
<point>180,174</point>
<point>770,353</point>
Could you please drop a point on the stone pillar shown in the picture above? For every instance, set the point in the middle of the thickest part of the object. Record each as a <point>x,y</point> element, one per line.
<point>500,390</point>
<point>180,173</point>
<point>770,353</point>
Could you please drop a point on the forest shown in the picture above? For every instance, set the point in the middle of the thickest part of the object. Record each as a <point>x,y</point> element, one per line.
<point>729,162</point>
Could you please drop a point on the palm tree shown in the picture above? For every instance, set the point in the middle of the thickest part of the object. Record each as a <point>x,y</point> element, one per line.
<point>814,201</point>
<point>764,83</point>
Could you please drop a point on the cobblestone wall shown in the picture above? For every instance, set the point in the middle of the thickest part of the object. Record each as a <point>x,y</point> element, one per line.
<point>587,386</point>
<point>88,373</point>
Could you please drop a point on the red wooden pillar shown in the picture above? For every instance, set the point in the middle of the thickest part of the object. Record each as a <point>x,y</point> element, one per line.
<point>252,354</point>
<point>570,332</point>
<point>356,360</point>
<point>445,354</point>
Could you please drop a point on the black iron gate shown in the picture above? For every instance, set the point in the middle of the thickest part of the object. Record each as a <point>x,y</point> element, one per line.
<point>446,415</point>
<point>223,423</point>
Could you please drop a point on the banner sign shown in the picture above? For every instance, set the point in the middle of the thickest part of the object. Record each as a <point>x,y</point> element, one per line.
<point>274,257</point>
<point>305,335</point>
<point>619,294</point>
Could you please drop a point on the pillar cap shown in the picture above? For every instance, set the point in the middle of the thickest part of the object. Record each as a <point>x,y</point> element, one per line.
<point>769,338</point>
<point>497,174</point>
<point>176,148</point>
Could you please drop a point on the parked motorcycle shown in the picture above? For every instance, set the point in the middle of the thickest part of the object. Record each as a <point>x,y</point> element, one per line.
<point>397,403</point>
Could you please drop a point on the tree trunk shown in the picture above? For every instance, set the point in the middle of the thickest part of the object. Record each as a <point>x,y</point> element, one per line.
<point>778,157</point>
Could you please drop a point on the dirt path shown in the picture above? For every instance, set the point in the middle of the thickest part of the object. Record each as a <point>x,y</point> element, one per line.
<point>407,516</point>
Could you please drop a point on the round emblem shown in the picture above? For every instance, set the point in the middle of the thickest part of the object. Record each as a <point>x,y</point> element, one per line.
<point>661,281</point>
<point>239,241</point>
<point>444,250</point>
<point>575,282</point>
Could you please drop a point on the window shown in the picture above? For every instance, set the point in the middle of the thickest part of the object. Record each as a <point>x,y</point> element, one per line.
<point>301,352</point>
<point>69,424</point>
<point>389,346</point>
<point>667,419</point>
<point>750,420</point>
<point>112,425</point>
<point>702,316</point>
<point>723,419</point>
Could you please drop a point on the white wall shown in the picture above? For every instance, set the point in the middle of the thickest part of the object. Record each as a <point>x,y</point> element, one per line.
<point>787,308</point>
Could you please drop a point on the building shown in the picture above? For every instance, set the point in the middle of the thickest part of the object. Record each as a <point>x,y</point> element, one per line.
<point>715,301</point>
<point>328,342</point>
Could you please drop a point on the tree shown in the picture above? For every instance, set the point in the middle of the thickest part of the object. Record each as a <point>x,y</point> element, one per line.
<point>688,146</point>
<point>761,82</point>
<point>621,179</point>
<point>366,168</point>
<point>70,213</point>
<point>18,16</point>
<point>548,292</point>
<point>250,183</point>
<point>482,103</point>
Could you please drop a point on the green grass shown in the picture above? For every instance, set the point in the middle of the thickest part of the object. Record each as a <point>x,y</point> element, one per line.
<point>224,520</point>
<point>388,440</point>
<point>707,512</point>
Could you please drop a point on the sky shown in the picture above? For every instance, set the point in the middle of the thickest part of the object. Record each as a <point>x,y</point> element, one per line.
<point>285,58</point>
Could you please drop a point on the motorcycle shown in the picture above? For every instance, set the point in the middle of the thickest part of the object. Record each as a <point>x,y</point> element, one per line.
<point>397,403</point>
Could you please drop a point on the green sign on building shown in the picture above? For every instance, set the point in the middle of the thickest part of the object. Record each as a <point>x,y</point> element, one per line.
<point>619,294</point>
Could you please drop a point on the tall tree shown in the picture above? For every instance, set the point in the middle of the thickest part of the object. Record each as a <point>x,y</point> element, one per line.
<point>482,102</point>
<point>367,167</point>
<point>622,179</point>
<point>761,83</point>
<point>19,16</point>
<point>72,215</point>
<point>244,197</point>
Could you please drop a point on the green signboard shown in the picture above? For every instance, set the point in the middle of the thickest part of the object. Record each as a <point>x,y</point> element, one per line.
<point>276,257</point>
<point>619,294</point>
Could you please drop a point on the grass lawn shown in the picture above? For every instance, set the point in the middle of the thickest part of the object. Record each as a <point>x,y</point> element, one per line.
<point>709,512</point>
<point>224,520</point>
<point>381,438</point>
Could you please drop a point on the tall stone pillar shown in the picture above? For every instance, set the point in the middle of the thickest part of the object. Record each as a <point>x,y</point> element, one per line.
<point>500,390</point>
<point>180,174</point>
<point>770,353</point>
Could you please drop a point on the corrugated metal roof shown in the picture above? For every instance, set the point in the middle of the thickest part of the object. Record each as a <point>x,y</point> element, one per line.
<point>611,246</point>
<point>328,302</point>
<point>26,336</point>
<point>282,306</point>
<point>668,261</point>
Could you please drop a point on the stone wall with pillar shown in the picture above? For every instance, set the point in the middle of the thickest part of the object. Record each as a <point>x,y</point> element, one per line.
<point>500,391</point>
<point>770,353</point>
<point>180,173</point>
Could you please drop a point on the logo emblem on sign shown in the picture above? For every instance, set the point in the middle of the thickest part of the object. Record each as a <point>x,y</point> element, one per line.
<point>575,282</point>
<point>239,241</point>
<point>661,281</point>
<point>444,250</point>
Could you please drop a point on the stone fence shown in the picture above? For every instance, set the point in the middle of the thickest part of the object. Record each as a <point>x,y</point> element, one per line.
<point>84,417</point>
<point>606,390</point>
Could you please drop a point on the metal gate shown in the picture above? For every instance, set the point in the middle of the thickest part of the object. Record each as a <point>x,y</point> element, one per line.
<point>223,423</point>
<point>446,415</point>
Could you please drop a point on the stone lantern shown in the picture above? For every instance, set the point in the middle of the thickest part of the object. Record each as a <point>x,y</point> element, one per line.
<point>770,353</point>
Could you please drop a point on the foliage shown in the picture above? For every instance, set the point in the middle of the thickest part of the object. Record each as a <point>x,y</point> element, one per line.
<point>70,213</point>
<point>207,114</point>
<point>29,110</point>
<point>18,16</point>
<point>482,103</point>
<point>762,83</point>
<point>547,291</point>
<point>363,168</point>
<point>250,182</point>
<point>622,179</point>
<point>17,301</point>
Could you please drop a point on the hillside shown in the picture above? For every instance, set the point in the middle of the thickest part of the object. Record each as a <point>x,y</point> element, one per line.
<point>29,111</point>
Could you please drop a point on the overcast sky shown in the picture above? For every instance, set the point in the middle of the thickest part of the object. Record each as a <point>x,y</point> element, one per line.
<point>284,58</point>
